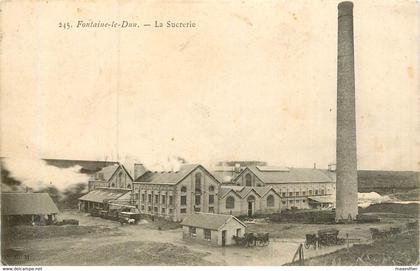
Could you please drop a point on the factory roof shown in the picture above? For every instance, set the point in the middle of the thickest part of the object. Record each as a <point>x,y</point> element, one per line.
<point>109,171</point>
<point>280,175</point>
<point>243,191</point>
<point>170,177</point>
<point>27,204</point>
<point>208,220</point>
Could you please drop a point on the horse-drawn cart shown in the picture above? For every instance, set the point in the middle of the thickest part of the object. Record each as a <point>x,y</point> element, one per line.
<point>326,237</point>
<point>252,239</point>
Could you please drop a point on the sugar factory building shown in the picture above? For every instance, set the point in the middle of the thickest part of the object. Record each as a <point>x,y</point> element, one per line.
<point>173,195</point>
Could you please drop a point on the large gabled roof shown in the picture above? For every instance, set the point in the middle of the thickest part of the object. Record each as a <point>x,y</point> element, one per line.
<point>271,175</point>
<point>27,204</point>
<point>208,220</point>
<point>109,171</point>
<point>243,191</point>
<point>170,177</point>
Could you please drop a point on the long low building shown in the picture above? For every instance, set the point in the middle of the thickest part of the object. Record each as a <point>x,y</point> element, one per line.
<point>27,208</point>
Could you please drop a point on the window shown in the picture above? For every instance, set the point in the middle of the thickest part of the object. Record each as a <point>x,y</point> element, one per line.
<point>211,209</point>
<point>113,185</point>
<point>183,189</point>
<point>149,198</point>
<point>290,194</point>
<point>163,199</point>
<point>310,192</point>
<point>163,210</point>
<point>183,210</point>
<point>270,201</point>
<point>258,185</point>
<point>156,198</point>
<point>248,181</point>
<point>193,231</point>
<point>322,192</point>
<point>207,234</point>
<point>297,201</point>
<point>303,201</point>
<point>143,197</point>
<point>297,193</point>
<point>211,199</point>
<point>155,209</point>
<point>142,207</point>
<point>197,209</point>
<point>183,200</point>
<point>198,182</point>
<point>238,232</point>
<point>316,192</point>
<point>171,211</point>
<point>128,186</point>
<point>211,188</point>
<point>149,208</point>
<point>230,202</point>
<point>170,200</point>
<point>283,194</point>
<point>283,202</point>
<point>291,201</point>
<point>197,199</point>
<point>251,198</point>
<point>304,193</point>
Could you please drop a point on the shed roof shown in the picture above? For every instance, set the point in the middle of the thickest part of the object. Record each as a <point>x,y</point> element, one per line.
<point>293,175</point>
<point>208,220</point>
<point>27,204</point>
<point>323,199</point>
<point>103,194</point>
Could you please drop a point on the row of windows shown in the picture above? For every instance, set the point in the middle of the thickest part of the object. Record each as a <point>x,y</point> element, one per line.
<point>121,185</point>
<point>197,188</point>
<point>156,209</point>
<point>156,199</point>
<point>293,201</point>
<point>197,200</point>
<point>291,194</point>
<point>230,201</point>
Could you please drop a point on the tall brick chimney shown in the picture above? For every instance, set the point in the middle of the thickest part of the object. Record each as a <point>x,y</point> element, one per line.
<point>346,169</point>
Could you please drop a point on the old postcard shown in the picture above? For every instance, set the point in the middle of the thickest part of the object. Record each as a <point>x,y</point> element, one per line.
<point>203,133</point>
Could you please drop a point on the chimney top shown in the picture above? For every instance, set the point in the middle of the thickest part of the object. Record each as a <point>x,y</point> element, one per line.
<point>345,8</point>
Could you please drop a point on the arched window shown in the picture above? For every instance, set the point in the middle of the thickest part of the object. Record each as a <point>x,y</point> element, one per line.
<point>251,198</point>
<point>198,182</point>
<point>183,189</point>
<point>270,201</point>
<point>248,181</point>
<point>128,186</point>
<point>211,188</point>
<point>230,202</point>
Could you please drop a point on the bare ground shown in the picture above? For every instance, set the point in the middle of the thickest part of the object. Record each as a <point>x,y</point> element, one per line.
<point>103,242</point>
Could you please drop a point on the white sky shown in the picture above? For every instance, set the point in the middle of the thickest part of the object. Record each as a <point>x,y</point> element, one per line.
<point>254,81</point>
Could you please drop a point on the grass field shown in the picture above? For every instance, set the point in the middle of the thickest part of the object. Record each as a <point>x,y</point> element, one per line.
<point>399,250</point>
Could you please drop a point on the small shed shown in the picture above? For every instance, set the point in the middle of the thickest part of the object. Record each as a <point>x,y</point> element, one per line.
<point>27,208</point>
<point>214,229</point>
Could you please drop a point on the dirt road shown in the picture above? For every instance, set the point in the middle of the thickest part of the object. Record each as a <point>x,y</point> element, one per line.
<point>143,245</point>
